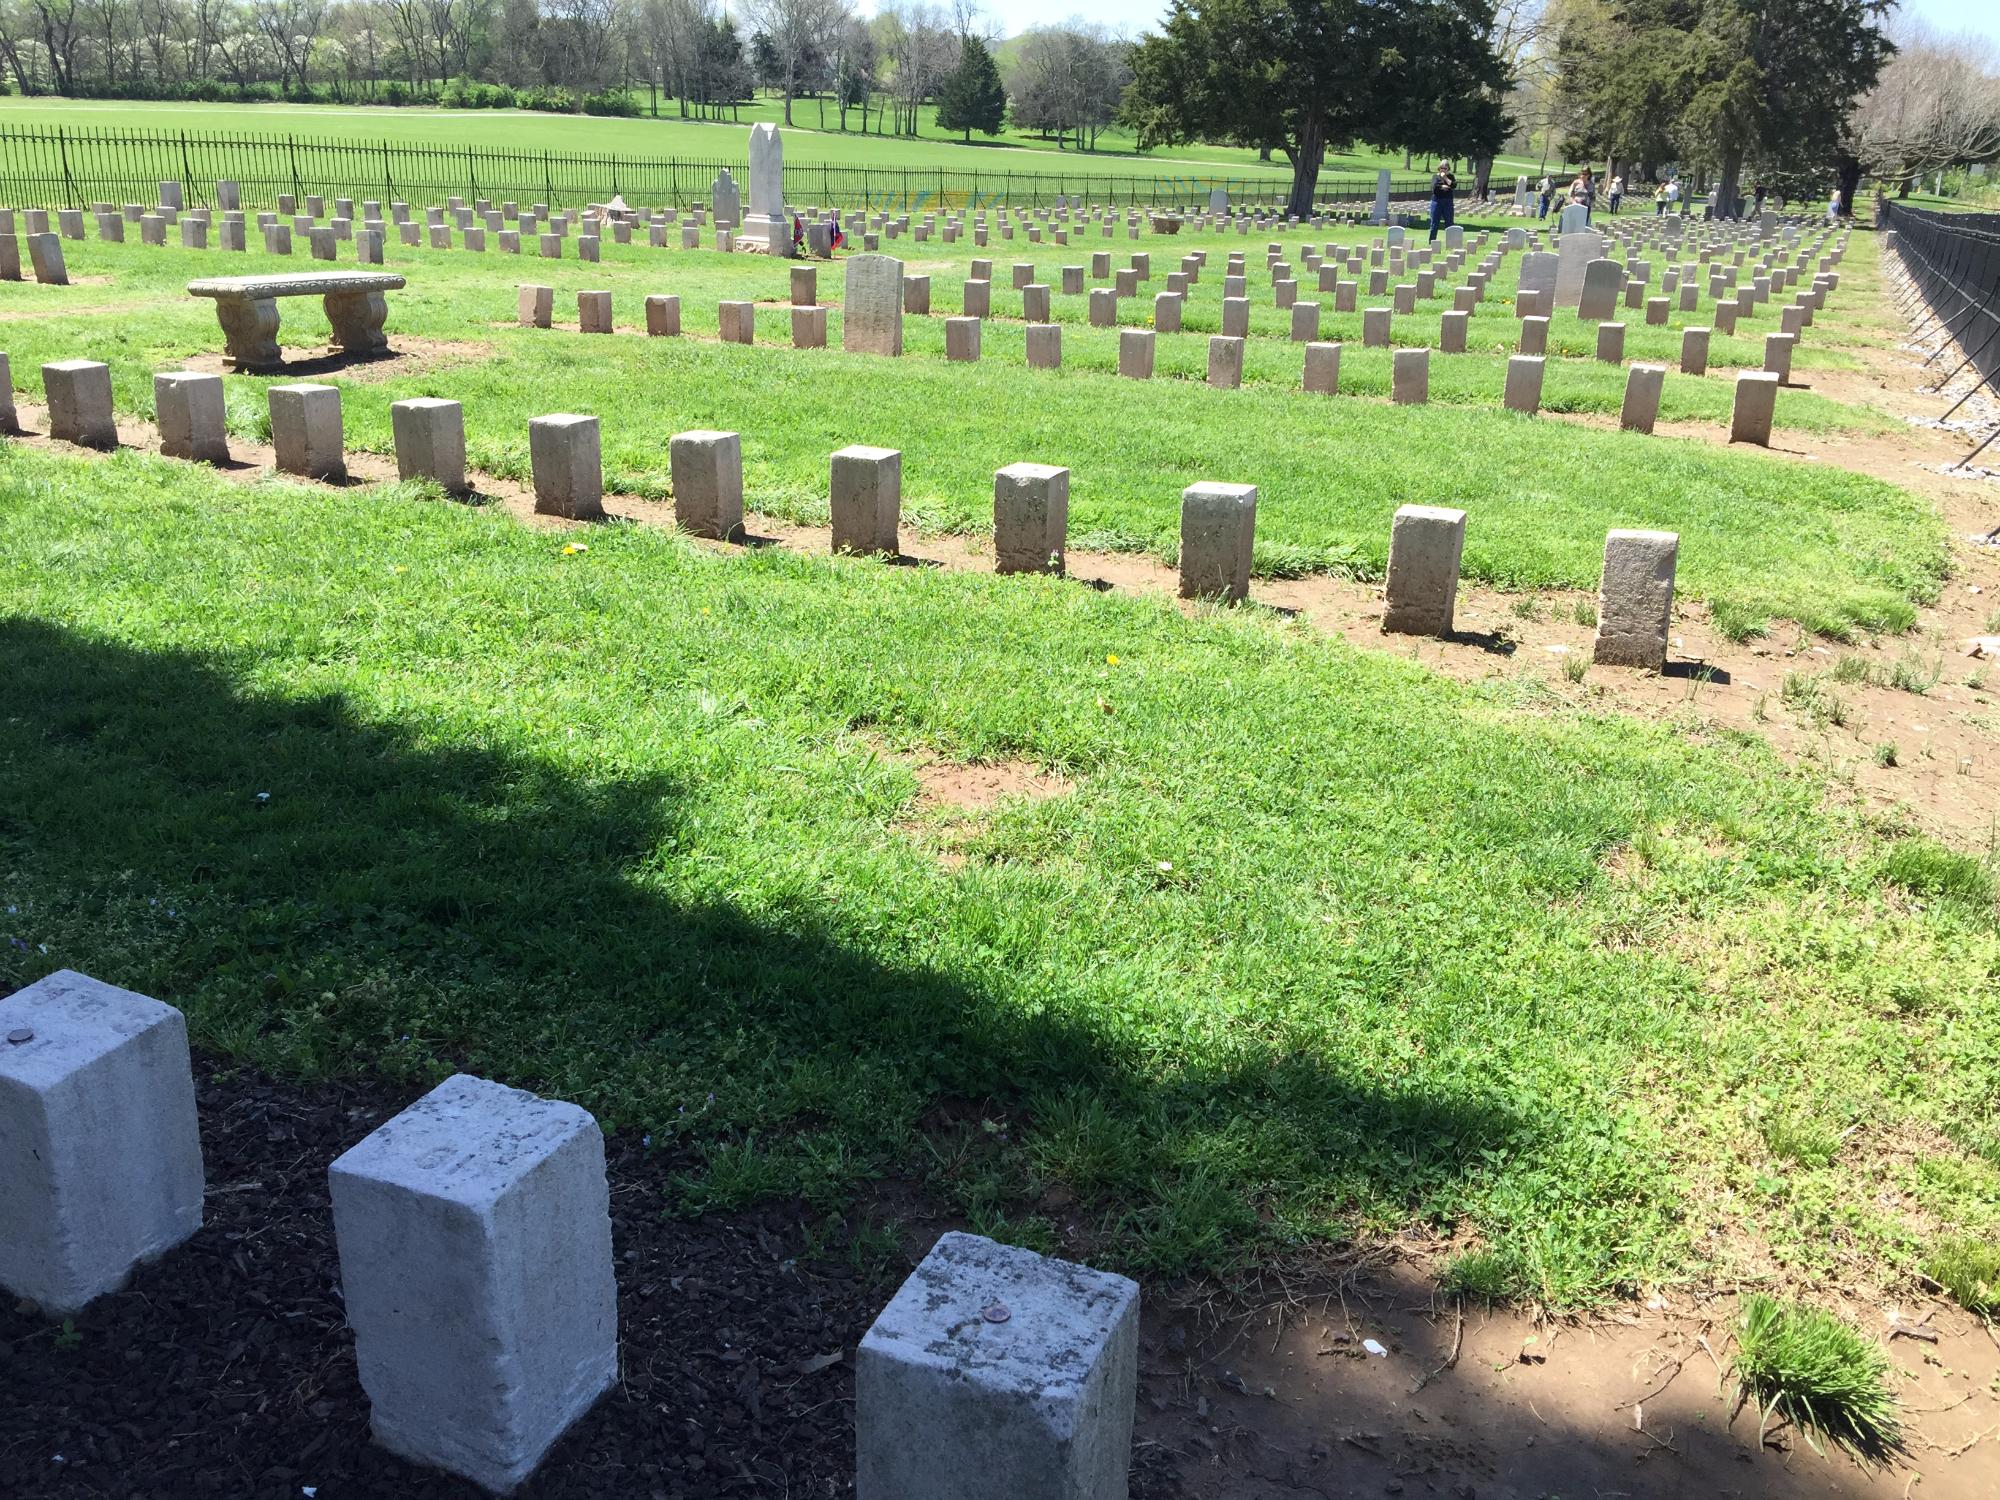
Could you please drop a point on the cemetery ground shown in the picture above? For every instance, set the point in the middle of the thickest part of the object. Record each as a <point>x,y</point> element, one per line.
<point>1232,948</point>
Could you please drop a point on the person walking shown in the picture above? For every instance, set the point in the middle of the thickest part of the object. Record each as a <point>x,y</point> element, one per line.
<point>1673,195</point>
<point>1659,200</point>
<point>1617,192</point>
<point>1547,190</point>
<point>1444,185</point>
<point>1833,207</point>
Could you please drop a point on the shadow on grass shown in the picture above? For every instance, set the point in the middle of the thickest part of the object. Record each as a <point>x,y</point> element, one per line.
<point>327,895</point>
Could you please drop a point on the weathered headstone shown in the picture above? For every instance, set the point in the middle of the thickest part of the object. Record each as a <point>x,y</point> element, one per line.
<point>100,1150</point>
<point>79,398</point>
<point>1641,407</point>
<point>430,441</point>
<point>306,430</point>
<point>476,1272</point>
<point>1218,533</point>
<point>189,409</point>
<point>954,1399</point>
<point>871,319</point>
<point>1421,588</point>
<point>1030,518</point>
<point>1635,601</point>
<point>866,499</point>
<point>1523,391</point>
<point>726,201</point>
<point>1755,405</point>
<point>565,456</point>
<point>1598,298</point>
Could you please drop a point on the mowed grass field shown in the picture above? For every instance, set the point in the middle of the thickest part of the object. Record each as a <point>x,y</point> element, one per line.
<point>806,140</point>
<point>1761,540</point>
<point>1302,942</point>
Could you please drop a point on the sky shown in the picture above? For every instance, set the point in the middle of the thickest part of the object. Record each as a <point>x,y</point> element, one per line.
<point>1014,16</point>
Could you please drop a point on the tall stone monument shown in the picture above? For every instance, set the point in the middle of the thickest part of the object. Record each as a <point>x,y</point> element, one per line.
<point>768,226</point>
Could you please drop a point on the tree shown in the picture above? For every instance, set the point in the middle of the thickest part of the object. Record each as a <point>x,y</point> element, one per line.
<point>972,97</point>
<point>1936,106</point>
<point>1727,82</point>
<point>795,36</point>
<point>1303,76</point>
<point>1069,78</point>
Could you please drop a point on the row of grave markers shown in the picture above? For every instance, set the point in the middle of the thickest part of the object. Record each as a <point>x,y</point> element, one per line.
<point>1030,500</point>
<point>476,1269</point>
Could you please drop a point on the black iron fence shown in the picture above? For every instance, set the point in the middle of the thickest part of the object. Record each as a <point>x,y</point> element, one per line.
<point>66,168</point>
<point>1953,261</point>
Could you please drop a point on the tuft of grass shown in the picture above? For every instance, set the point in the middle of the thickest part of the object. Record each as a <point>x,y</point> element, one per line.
<point>1575,665</point>
<point>1737,622</point>
<point>1529,608</point>
<point>1801,1140</point>
<point>1585,613</point>
<point>1490,1275</point>
<point>1807,1367</point>
<point>1910,673</point>
<point>1852,669</point>
<point>1885,754</point>
<point>1969,1269</point>
<point>1924,867</point>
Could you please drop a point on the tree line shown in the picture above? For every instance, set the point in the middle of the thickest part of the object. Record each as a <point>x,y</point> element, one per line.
<point>687,57</point>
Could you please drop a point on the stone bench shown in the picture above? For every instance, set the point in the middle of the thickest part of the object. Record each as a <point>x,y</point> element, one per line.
<point>247,308</point>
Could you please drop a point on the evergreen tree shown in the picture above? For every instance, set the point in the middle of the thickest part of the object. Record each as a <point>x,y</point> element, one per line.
<point>972,97</point>
<point>1312,76</point>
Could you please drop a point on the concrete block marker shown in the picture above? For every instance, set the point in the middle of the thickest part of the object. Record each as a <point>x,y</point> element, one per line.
<point>1641,407</point>
<point>998,1374</point>
<point>10,420</point>
<point>1426,543</point>
<point>1611,343</point>
<point>1755,405</point>
<point>1524,383</point>
<point>1135,353</point>
<point>100,1153</point>
<point>45,254</point>
<point>1218,530</point>
<point>1535,335</point>
<point>189,408</point>
<point>1694,351</point>
<point>1635,602</point>
<point>1410,377</point>
<point>663,317</point>
<point>430,441</point>
<point>961,340</point>
<point>1452,328</point>
<point>475,1262</point>
<point>805,286</point>
<point>867,499</point>
<point>1045,346</point>
<point>593,312</point>
<point>564,453</point>
<point>1225,362</point>
<point>808,328</point>
<point>1778,355</point>
<point>306,430</point>
<point>706,471</point>
<point>1322,375</point>
<point>79,397</point>
<point>1030,518</point>
<point>736,322</point>
<point>1375,326</point>
<point>535,306</point>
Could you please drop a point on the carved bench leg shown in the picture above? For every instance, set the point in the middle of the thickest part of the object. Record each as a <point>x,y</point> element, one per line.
<point>249,331</point>
<point>357,319</point>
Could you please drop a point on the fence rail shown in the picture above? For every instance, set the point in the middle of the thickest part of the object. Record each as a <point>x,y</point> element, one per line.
<point>66,168</point>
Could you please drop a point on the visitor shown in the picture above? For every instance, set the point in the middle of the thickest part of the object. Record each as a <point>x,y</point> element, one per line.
<point>1834,207</point>
<point>1757,206</point>
<point>1617,192</point>
<point>1659,200</point>
<point>1584,191</point>
<point>1443,185</point>
<point>1547,191</point>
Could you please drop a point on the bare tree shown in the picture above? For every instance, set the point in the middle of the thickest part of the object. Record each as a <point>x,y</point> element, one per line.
<point>802,32</point>
<point>1937,105</point>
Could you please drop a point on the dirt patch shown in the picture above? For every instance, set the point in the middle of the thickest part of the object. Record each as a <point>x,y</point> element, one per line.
<point>1463,1400</point>
<point>979,787</point>
<point>405,356</point>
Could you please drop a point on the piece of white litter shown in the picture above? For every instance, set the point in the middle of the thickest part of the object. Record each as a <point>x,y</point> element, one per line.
<point>1374,1348</point>
<point>309,1490</point>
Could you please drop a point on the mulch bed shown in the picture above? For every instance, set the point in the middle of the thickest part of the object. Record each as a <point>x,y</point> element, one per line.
<point>227,1370</point>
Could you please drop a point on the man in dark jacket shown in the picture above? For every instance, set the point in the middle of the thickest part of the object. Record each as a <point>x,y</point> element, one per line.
<point>1443,186</point>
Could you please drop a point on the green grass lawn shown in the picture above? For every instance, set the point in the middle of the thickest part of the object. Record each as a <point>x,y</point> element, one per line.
<point>1317,944</point>
<point>805,140</point>
<point>1763,538</point>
